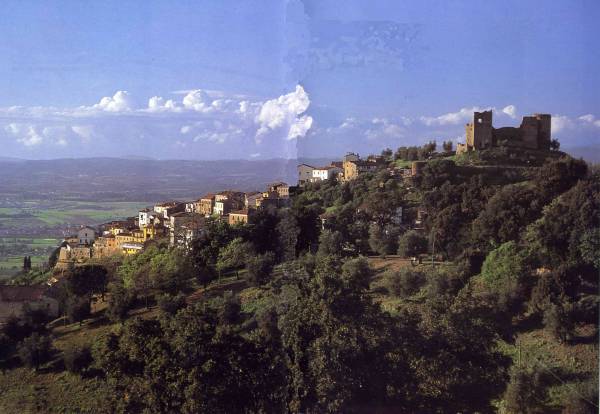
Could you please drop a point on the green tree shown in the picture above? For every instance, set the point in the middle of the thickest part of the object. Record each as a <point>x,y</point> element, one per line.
<point>119,302</point>
<point>331,243</point>
<point>383,240</point>
<point>504,272</point>
<point>288,232</point>
<point>78,309</point>
<point>235,255</point>
<point>35,350</point>
<point>260,268</point>
<point>526,392</point>
<point>411,244</point>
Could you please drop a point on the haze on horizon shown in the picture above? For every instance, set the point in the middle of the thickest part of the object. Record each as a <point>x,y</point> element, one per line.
<point>287,79</point>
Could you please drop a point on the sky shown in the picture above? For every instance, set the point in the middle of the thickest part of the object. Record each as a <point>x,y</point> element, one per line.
<point>287,78</point>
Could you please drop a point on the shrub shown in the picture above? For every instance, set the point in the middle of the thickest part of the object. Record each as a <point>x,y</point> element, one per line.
<point>558,321</point>
<point>171,304</point>
<point>119,303</point>
<point>411,244</point>
<point>78,309</point>
<point>77,360</point>
<point>526,392</point>
<point>260,268</point>
<point>35,350</point>
<point>404,283</point>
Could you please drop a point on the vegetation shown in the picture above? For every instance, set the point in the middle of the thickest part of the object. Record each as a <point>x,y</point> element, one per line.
<point>307,309</point>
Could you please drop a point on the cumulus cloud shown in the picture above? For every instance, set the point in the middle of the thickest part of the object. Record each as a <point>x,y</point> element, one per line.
<point>452,118</point>
<point>510,110</point>
<point>284,114</point>
<point>560,123</point>
<point>119,102</point>
<point>158,103</point>
<point>27,135</point>
<point>590,120</point>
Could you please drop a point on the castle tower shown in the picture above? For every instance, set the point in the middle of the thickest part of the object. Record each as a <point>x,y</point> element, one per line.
<point>544,130</point>
<point>479,133</point>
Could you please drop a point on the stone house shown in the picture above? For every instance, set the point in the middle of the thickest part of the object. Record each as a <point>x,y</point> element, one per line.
<point>240,217</point>
<point>250,199</point>
<point>86,235</point>
<point>15,299</point>
<point>185,227</point>
<point>169,208</point>
<point>325,173</point>
<point>205,205</point>
<point>305,173</point>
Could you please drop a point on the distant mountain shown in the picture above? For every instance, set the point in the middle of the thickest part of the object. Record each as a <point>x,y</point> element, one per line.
<point>118,179</point>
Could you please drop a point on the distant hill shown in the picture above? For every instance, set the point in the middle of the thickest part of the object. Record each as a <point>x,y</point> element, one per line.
<point>120,179</point>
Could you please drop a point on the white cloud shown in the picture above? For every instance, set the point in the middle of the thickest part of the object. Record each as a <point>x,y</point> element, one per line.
<point>283,114</point>
<point>158,103</point>
<point>121,101</point>
<point>26,134</point>
<point>560,123</point>
<point>198,100</point>
<point>590,119</point>
<point>85,132</point>
<point>510,110</point>
<point>451,118</point>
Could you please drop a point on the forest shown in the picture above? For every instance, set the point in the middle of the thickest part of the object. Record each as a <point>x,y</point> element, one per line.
<point>376,295</point>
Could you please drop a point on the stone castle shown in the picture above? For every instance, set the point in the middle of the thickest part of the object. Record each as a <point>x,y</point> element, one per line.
<point>533,133</point>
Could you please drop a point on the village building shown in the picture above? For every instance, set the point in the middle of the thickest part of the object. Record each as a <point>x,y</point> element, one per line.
<point>325,173</point>
<point>14,300</point>
<point>205,205</point>
<point>353,168</point>
<point>305,174</point>
<point>69,255</point>
<point>169,208</point>
<point>282,189</point>
<point>533,133</point>
<point>86,235</point>
<point>185,227</point>
<point>227,201</point>
<point>146,217</point>
<point>251,198</point>
<point>240,217</point>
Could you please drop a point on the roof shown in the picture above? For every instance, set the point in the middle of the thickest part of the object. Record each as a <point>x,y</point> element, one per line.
<point>278,184</point>
<point>208,196</point>
<point>86,227</point>
<point>251,193</point>
<point>306,165</point>
<point>21,293</point>
<point>169,204</point>
<point>240,212</point>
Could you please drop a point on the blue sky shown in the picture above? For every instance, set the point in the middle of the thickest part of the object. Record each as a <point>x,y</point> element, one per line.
<point>275,78</point>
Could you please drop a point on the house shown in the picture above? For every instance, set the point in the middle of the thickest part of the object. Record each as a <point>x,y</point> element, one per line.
<point>171,207</point>
<point>105,246</point>
<point>250,199</point>
<point>185,227</point>
<point>325,173</point>
<point>240,217</point>
<point>205,205</point>
<point>354,167</point>
<point>282,189</point>
<point>14,300</point>
<point>86,235</point>
<point>227,201</point>
<point>305,173</point>
<point>146,216</point>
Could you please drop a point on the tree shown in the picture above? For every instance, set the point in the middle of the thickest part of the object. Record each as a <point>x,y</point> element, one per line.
<point>77,359</point>
<point>504,272</point>
<point>447,145</point>
<point>288,232</point>
<point>405,282</point>
<point>87,280</point>
<point>78,309</point>
<point>35,350</point>
<point>170,270</point>
<point>526,392</point>
<point>27,263</point>
<point>119,302</point>
<point>411,244</point>
<point>205,275</point>
<point>558,321</point>
<point>259,268</point>
<point>235,255</point>
<point>383,240</point>
<point>171,304</point>
<point>331,243</point>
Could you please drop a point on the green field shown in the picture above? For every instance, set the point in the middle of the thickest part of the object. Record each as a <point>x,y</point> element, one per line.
<point>35,228</point>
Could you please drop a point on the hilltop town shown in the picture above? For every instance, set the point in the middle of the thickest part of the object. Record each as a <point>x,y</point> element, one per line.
<point>459,259</point>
